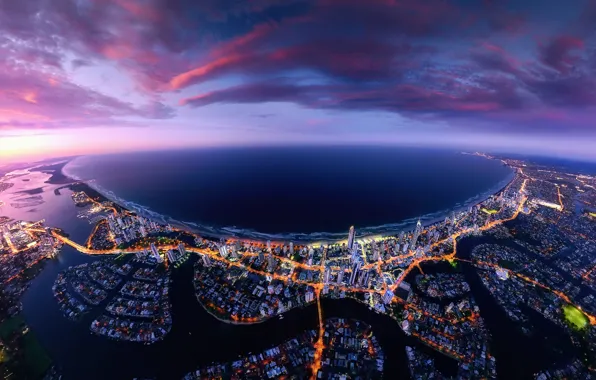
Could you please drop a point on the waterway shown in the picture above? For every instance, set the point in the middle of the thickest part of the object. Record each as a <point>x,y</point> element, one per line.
<point>197,339</point>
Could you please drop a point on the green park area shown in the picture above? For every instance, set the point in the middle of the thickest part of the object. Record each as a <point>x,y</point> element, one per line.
<point>489,211</point>
<point>575,317</point>
<point>25,357</point>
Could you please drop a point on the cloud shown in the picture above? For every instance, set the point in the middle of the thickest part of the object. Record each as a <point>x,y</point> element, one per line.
<point>558,53</point>
<point>421,59</point>
<point>477,62</point>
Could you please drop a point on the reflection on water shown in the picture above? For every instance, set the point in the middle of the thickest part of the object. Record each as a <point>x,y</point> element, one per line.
<point>197,339</point>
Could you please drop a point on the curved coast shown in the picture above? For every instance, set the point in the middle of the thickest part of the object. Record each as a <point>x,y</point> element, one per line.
<point>364,231</point>
<point>187,318</point>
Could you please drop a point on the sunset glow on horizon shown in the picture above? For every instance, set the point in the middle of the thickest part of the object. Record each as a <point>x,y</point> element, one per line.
<point>102,76</point>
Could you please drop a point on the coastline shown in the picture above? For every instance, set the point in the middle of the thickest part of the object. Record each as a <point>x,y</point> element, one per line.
<point>228,321</point>
<point>314,238</point>
<point>261,320</point>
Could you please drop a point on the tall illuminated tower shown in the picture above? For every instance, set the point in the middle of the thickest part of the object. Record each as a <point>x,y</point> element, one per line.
<point>351,236</point>
<point>417,233</point>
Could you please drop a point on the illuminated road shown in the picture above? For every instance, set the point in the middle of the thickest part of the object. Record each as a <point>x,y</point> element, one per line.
<point>589,272</point>
<point>560,197</point>
<point>377,265</point>
<point>319,345</point>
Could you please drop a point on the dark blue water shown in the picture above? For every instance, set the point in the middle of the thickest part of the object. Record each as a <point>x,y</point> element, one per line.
<point>197,339</point>
<point>297,189</point>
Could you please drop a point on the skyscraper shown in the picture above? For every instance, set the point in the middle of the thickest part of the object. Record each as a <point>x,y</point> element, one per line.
<point>327,275</point>
<point>171,256</point>
<point>155,253</point>
<point>351,236</point>
<point>416,234</point>
<point>182,249</point>
<point>206,260</point>
<point>233,253</point>
<point>223,251</point>
<point>340,275</point>
<point>375,250</point>
<point>388,296</point>
<point>354,253</point>
<point>355,269</point>
<point>271,261</point>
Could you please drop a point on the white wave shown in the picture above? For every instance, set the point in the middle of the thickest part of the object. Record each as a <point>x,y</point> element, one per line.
<point>208,230</point>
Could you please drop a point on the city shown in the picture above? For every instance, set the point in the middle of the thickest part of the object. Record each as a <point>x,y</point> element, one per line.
<point>536,239</point>
<point>298,189</point>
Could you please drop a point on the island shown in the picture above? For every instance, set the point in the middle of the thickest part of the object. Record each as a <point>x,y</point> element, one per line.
<point>530,246</point>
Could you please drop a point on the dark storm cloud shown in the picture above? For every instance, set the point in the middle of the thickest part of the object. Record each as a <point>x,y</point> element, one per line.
<point>421,58</point>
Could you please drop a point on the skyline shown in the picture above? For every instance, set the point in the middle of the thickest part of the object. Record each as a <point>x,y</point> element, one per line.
<point>104,76</point>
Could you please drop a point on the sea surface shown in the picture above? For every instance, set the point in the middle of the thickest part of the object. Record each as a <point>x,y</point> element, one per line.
<point>197,339</point>
<point>300,193</point>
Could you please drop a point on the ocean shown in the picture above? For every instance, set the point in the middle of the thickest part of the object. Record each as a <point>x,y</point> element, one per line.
<point>300,193</point>
<point>197,339</point>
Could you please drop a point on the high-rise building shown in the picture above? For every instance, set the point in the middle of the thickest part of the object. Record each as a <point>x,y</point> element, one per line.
<point>154,250</point>
<point>355,269</point>
<point>351,236</point>
<point>223,251</point>
<point>206,260</point>
<point>363,280</point>
<point>327,275</point>
<point>340,276</point>
<point>375,249</point>
<point>388,296</point>
<point>182,249</point>
<point>233,253</point>
<point>291,248</point>
<point>271,262</point>
<point>155,253</point>
<point>269,245</point>
<point>416,234</point>
<point>354,257</point>
<point>309,296</point>
<point>171,256</point>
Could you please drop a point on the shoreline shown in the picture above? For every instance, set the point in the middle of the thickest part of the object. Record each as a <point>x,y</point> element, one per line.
<point>314,238</point>
<point>261,320</point>
<point>228,321</point>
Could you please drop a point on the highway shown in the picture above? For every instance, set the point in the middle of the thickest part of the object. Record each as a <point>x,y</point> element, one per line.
<point>320,268</point>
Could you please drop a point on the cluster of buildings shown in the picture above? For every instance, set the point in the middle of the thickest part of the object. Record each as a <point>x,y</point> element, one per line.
<point>23,249</point>
<point>517,278</point>
<point>247,282</point>
<point>70,306</point>
<point>351,352</point>
<point>422,365</point>
<point>80,282</point>
<point>455,329</point>
<point>126,227</point>
<point>291,358</point>
<point>442,285</point>
<point>573,370</point>
<point>235,294</point>
<point>135,297</point>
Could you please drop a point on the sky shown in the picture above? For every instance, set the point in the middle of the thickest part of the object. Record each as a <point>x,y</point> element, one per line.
<point>101,76</point>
